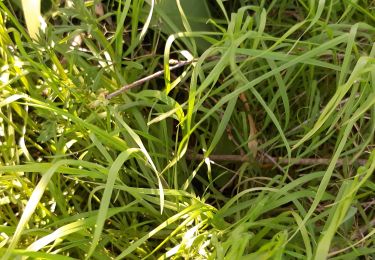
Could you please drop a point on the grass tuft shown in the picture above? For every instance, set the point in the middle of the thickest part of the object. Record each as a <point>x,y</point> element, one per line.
<point>187,129</point>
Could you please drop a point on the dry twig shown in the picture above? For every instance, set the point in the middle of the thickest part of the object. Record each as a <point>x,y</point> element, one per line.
<point>145,79</point>
<point>159,73</point>
<point>266,162</point>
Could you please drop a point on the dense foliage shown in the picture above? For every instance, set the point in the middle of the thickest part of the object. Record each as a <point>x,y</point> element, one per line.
<point>253,140</point>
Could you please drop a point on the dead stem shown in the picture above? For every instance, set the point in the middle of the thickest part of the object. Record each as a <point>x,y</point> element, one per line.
<point>266,162</point>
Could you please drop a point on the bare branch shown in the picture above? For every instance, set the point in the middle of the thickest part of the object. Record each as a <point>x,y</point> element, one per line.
<point>159,73</point>
<point>269,161</point>
<point>145,79</point>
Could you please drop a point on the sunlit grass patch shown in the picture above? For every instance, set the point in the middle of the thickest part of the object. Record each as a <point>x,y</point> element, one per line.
<point>249,132</point>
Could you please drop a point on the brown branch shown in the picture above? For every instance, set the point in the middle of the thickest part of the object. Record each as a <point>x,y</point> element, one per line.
<point>159,73</point>
<point>145,79</point>
<point>269,161</point>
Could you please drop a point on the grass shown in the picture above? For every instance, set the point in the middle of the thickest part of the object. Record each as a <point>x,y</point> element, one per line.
<point>279,83</point>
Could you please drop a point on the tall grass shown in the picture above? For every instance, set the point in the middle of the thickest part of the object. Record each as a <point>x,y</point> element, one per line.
<point>280,86</point>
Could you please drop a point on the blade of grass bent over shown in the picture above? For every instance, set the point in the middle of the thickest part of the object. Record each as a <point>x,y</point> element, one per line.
<point>138,141</point>
<point>33,203</point>
<point>104,204</point>
<point>344,200</point>
<point>335,101</point>
<point>31,10</point>
<point>327,176</point>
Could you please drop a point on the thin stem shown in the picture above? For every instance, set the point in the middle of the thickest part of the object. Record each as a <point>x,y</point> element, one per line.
<point>267,161</point>
<point>145,79</point>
